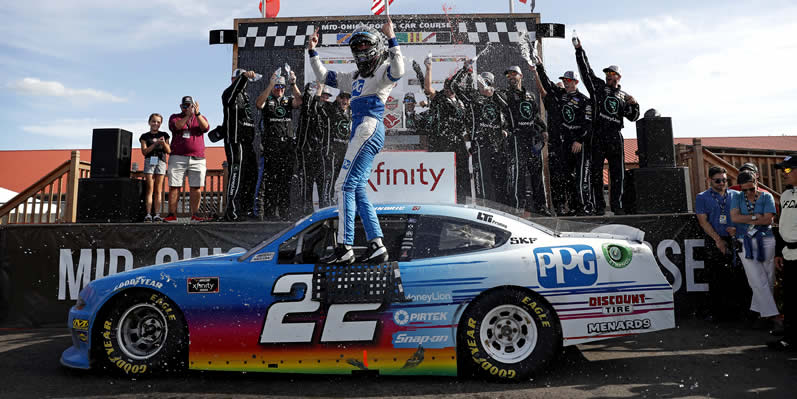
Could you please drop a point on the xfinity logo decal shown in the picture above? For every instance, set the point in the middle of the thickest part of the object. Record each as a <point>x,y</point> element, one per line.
<point>566,266</point>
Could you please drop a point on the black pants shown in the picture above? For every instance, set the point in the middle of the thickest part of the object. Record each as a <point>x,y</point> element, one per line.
<point>334,158</point>
<point>562,177</point>
<point>462,159</point>
<point>728,291</point>
<point>790,300</point>
<point>242,177</point>
<point>312,169</point>
<point>278,169</point>
<point>608,146</point>
<point>489,172</point>
<point>526,181</point>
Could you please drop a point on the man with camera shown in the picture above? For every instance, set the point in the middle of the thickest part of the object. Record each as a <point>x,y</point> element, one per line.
<point>188,155</point>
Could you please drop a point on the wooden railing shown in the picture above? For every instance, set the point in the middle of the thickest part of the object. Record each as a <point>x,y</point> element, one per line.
<point>699,159</point>
<point>54,197</point>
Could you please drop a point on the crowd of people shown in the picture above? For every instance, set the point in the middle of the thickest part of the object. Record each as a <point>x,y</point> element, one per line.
<point>746,242</point>
<point>497,134</point>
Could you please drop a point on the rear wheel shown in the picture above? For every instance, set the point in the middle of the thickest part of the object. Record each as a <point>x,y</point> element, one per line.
<point>141,334</point>
<point>508,334</point>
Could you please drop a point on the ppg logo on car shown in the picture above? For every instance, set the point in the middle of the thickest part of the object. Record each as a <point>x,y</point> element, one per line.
<point>566,266</point>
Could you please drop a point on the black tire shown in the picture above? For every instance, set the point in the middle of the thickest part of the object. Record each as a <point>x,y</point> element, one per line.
<point>529,338</point>
<point>142,333</point>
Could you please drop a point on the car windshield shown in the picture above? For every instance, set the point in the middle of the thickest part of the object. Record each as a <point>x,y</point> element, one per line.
<point>271,239</point>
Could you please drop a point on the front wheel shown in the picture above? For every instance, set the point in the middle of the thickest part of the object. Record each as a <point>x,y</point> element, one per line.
<point>143,333</point>
<point>507,334</point>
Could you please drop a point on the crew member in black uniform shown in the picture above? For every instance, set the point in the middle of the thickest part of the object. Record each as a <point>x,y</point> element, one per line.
<point>334,124</point>
<point>238,131</point>
<point>486,122</point>
<point>610,104</point>
<point>310,163</point>
<point>569,129</point>
<point>525,142</point>
<point>278,147</point>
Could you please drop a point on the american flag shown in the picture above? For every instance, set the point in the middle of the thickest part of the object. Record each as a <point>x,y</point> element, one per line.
<point>378,7</point>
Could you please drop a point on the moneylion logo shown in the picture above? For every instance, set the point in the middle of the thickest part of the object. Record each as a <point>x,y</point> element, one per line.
<point>568,114</point>
<point>280,112</point>
<point>526,110</point>
<point>401,317</point>
<point>612,105</point>
<point>490,114</point>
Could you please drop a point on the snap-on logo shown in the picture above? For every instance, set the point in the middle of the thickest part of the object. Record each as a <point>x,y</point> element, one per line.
<point>566,266</point>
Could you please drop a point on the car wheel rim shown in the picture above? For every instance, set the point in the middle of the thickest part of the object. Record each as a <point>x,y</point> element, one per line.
<point>142,331</point>
<point>508,333</point>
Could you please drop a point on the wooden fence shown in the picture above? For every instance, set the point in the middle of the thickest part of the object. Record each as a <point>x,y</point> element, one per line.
<point>699,159</point>
<point>54,197</point>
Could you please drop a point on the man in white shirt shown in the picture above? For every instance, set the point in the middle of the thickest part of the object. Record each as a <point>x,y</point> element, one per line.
<point>786,253</point>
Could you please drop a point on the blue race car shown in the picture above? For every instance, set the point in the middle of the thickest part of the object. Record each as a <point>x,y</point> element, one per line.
<point>469,290</point>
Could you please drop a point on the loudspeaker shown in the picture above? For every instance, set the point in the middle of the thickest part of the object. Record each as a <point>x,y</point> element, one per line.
<point>110,200</point>
<point>223,36</point>
<point>110,153</point>
<point>657,190</point>
<point>655,146</point>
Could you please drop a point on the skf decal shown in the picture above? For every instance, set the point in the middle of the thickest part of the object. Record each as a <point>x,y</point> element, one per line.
<point>622,325</point>
<point>566,266</point>
<point>203,285</point>
<point>80,324</point>
<point>521,240</point>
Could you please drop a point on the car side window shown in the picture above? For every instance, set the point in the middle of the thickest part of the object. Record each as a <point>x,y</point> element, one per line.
<point>443,236</point>
<point>317,241</point>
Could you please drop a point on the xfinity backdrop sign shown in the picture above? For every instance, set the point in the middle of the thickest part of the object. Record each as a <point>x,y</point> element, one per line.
<point>413,176</point>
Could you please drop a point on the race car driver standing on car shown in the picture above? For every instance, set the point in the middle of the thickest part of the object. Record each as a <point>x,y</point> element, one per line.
<point>378,69</point>
<point>610,104</point>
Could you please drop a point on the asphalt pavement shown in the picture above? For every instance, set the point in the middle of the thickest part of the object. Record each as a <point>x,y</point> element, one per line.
<point>697,359</point>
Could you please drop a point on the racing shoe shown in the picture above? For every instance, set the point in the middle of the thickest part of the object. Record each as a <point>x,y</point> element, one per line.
<point>376,254</point>
<point>341,256</point>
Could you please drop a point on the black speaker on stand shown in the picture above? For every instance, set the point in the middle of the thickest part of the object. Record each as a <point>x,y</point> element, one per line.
<point>657,186</point>
<point>110,195</point>
<point>110,153</point>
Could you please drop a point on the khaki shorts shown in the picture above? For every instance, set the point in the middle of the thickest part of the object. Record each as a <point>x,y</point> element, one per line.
<point>179,164</point>
<point>158,169</point>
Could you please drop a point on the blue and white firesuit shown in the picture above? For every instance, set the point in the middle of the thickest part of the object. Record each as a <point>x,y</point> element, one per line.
<point>368,97</point>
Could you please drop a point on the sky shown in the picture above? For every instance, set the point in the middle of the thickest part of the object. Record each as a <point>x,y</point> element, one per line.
<point>718,68</point>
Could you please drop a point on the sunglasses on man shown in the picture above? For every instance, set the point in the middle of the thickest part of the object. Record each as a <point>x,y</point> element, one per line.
<point>720,181</point>
<point>611,73</point>
<point>185,106</point>
<point>279,86</point>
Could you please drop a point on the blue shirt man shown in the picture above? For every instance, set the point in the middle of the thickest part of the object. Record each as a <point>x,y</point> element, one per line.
<point>713,208</point>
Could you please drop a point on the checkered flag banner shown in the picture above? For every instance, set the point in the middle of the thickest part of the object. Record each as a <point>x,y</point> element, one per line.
<point>378,7</point>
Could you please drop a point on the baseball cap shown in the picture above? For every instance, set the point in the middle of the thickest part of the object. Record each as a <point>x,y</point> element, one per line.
<point>514,68</point>
<point>344,94</point>
<point>187,100</point>
<point>409,98</point>
<point>488,77</point>
<point>613,68</point>
<point>788,162</point>
<point>280,81</point>
<point>749,166</point>
<point>569,75</point>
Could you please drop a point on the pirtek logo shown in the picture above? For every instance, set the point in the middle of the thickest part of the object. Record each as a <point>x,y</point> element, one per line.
<point>406,177</point>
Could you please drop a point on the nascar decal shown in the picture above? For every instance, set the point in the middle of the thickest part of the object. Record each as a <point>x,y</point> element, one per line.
<point>203,285</point>
<point>566,266</point>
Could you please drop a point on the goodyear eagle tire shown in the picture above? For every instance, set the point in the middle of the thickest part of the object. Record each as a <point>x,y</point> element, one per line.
<point>143,333</point>
<point>507,334</point>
